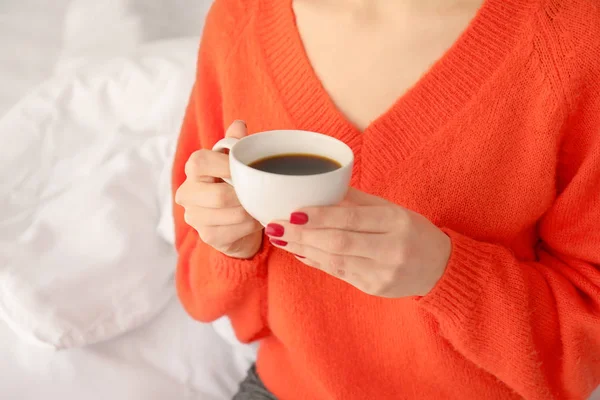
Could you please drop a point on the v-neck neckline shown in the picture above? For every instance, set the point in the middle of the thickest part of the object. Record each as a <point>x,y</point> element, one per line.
<point>444,89</point>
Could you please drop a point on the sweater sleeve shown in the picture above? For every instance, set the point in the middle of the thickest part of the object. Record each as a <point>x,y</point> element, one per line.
<point>210,284</point>
<point>536,325</point>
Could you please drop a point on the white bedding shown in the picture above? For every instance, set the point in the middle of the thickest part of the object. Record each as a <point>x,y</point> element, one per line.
<point>171,358</point>
<point>91,100</point>
<point>39,38</point>
<point>88,185</point>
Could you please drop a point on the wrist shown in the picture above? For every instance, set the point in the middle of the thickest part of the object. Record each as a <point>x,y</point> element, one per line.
<point>247,247</point>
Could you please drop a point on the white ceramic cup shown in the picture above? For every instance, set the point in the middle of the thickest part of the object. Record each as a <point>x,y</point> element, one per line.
<point>268,196</point>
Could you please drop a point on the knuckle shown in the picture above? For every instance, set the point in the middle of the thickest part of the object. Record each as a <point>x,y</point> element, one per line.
<point>194,165</point>
<point>400,256</point>
<point>188,218</point>
<point>387,280</point>
<point>388,277</point>
<point>402,220</point>
<point>180,194</point>
<point>340,243</point>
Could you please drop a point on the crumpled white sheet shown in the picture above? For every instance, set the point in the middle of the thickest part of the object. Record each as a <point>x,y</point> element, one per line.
<point>172,357</point>
<point>84,182</point>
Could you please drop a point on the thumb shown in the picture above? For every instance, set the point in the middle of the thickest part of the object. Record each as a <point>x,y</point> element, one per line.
<point>237,130</point>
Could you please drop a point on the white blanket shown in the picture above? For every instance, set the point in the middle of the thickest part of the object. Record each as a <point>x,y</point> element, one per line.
<point>85,226</point>
<point>171,358</point>
<point>85,184</point>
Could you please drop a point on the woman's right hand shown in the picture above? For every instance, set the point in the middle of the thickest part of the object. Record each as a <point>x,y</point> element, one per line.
<point>212,207</point>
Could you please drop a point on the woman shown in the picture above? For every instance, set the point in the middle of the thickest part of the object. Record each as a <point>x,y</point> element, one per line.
<point>465,263</point>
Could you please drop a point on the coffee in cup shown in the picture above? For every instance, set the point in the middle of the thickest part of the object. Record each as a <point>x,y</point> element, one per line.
<point>296,164</point>
<point>275,173</point>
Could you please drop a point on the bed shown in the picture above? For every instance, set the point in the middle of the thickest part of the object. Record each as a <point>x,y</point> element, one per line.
<point>92,97</point>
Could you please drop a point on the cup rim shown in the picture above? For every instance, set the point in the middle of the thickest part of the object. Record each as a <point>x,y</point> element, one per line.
<point>348,164</point>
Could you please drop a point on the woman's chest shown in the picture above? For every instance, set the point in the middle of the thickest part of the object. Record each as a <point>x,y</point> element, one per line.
<point>367,59</point>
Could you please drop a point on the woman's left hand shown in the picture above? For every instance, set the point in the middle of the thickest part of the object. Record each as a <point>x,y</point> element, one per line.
<point>379,247</point>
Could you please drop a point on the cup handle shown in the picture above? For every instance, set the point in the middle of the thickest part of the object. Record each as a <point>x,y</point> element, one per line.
<point>225,144</point>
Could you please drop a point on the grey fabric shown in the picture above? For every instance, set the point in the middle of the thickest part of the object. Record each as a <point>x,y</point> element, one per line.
<point>252,388</point>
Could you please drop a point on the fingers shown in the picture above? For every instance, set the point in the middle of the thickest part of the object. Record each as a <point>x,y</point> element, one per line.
<point>223,236</point>
<point>308,262</point>
<point>237,130</point>
<point>373,219</point>
<point>212,207</point>
<point>363,273</point>
<point>204,164</point>
<point>200,216</point>
<point>333,241</point>
<point>206,194</point>
<point>337,265</point>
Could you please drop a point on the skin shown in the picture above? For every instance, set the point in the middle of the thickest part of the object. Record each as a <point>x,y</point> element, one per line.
<point>379,247</point>
<point>369,53</point>
<point>212,207</point>
<point>359,50</point>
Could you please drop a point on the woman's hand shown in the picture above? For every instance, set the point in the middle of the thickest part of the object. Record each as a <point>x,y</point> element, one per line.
<point>212,207</point>
<point>377,246</point>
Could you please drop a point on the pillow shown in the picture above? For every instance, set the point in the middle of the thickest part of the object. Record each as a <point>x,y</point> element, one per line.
<point>82,193</point>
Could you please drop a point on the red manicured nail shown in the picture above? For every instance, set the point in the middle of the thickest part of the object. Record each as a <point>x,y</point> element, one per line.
<point>299,256</point>
<point>298,218</point>
<point>278,242</point>
<point>274,230</point>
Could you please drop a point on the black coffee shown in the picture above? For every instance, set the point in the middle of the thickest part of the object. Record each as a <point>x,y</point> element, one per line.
<point>296,164</point>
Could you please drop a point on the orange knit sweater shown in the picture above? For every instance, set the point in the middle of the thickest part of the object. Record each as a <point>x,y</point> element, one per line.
<point>498,144</point>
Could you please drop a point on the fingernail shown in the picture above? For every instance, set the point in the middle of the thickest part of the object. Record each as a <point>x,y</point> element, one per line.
<point>275,230</point>
<point>242,121</point>
<point>298,218</point>
<point>278,242</point>
<point>299,256</point>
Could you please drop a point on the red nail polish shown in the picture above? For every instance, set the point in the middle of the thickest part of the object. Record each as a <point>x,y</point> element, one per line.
<point>278,242</point>
<point>274,230</point>
<point>299,256</point>
<point>299,218</point>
